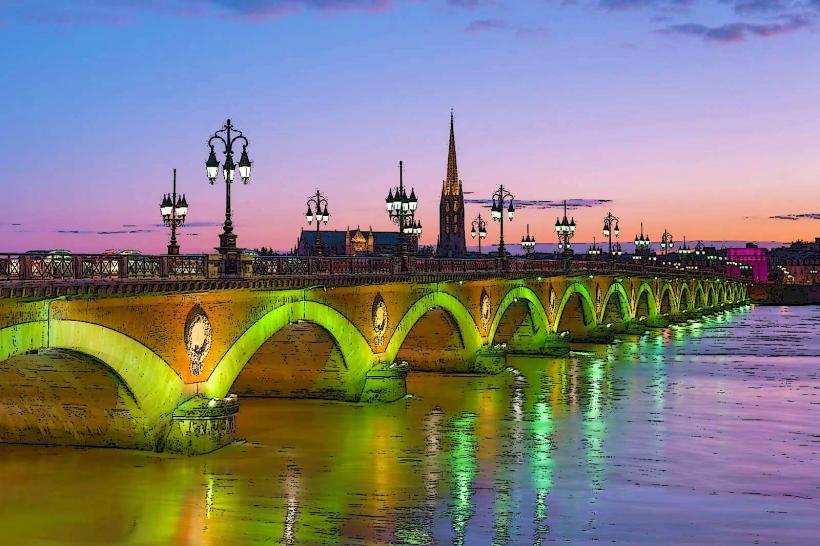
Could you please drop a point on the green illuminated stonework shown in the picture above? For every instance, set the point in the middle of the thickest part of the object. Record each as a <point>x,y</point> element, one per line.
<point>156,371</point>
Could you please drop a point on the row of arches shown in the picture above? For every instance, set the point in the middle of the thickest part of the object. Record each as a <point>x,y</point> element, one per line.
<point>300,349</point>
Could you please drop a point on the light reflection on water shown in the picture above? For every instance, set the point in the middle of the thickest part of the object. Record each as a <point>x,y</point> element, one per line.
<point>699,434</point>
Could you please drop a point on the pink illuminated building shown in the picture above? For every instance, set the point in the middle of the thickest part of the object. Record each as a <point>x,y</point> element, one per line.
<point>752,256</point>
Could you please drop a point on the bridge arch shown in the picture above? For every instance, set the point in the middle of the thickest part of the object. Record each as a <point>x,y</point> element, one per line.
<point>446,306</point>
<point>645,304</point>
<point>119,391</point>
<point>355,351</point>
<point>700,295</point>
<point>535,309</point>
<point>666,300</point>
<point>576,312</point>
<point>684,298</point>
<point>711,296</point>
<point>615,307</point>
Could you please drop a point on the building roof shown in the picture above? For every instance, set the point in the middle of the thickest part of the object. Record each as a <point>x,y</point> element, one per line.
<point>335,239</point>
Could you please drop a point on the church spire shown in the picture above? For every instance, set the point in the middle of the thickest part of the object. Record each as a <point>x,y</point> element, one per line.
<point>452,186</point>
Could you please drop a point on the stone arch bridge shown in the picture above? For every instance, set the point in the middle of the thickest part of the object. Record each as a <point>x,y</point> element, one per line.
<point>156,370</point>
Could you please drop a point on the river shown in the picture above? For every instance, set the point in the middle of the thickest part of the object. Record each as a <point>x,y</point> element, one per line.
<point>704,433</point>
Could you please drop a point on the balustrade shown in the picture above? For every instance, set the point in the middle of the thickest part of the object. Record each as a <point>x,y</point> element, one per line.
<point>64,266</point>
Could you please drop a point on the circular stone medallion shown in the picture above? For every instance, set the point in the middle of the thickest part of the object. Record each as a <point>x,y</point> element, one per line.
<point>484,307</point>
<point>379,318</point>
<point>197,338</point>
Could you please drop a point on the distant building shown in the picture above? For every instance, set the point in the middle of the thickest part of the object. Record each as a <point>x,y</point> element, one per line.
<point>752,256</point>
<point>452,241</point>
<point>352,242</point>
<point>797,263</point>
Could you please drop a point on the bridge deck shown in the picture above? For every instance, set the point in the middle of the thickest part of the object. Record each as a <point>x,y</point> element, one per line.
<point>46,275</point>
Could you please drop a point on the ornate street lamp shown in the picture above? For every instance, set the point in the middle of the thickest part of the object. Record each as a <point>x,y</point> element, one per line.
<point>322,216</point>
<point>480,229</point>
<point>500,198</point>
<point>594,250</point>
<point>228,136</point>
<point>642,245</point>
<point>401,209</point>
<point>611,228</point>
<point>616,249</point>
<point>666,242</point>
<point>528,242</point>
<point>683,249</point>
<point>566,231</point>
<point>174,209</point>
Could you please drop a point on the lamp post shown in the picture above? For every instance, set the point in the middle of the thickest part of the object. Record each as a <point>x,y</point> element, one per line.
<point>642,244</point>
<point>683,249</point>
<point>566,231</point>
<point>611,228</point>
<point>480,229</point>
<point>666,242</point>
<point>401,209</point>
<point>594,250</point>
<point>228,135</point>
<point>528,242</point>
<point>321,216</point>
<point>616,250</point>
<point>174,208</point>
<point>500,197</point>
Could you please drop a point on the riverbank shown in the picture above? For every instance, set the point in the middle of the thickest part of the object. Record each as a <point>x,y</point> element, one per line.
<point>785,294</point>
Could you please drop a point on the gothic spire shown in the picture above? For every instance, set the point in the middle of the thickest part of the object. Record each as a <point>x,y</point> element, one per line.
<point>452,186</point>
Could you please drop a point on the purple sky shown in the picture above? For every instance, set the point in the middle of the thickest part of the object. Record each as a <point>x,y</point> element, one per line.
<point>698,117</point>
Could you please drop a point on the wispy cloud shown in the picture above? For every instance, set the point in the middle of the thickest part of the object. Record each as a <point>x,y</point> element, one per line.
<point>123,12</point>
<point>469,3</point>
<point>638,4</point>
<point>738,32</point>
<point>93,232</point>
<point>545,204</point>
<point>496,25</point>
<point>483,25</point>
<point>191,224</point>
<point>794,217</point>
<point>746,18</point>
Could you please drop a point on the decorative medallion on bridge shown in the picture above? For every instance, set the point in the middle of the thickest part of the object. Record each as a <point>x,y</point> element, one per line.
<point>197,338</point>
<point>484,308</point>
<point>598,297</point>
<point>552,302</point>
<point>379,317</point>
<point>634,303</point>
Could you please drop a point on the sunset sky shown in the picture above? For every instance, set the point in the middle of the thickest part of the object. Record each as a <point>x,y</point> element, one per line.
<point>699,117</point>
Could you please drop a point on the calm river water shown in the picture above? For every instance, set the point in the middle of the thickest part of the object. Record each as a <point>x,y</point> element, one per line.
<point>707,433</point>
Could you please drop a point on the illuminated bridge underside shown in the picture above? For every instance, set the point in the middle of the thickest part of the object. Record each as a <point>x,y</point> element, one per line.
<point>156,371</point>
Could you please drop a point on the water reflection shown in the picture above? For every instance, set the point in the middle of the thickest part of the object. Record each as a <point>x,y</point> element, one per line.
<point>656,439</point>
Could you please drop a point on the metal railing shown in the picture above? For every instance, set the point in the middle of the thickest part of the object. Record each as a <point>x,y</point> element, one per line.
<point>63,266</point>
<point>15,267</point>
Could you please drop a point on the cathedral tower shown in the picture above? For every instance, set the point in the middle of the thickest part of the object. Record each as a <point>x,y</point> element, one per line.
<point>451,239</point>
